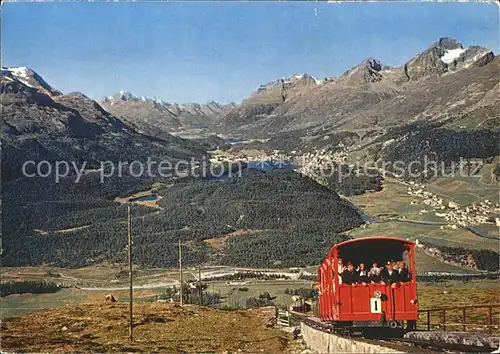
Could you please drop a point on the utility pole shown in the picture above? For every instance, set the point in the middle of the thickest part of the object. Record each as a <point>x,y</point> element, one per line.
<point>213,290</point>
<point>131,294</point>
<point>180,272</point>
<point>201,290</point>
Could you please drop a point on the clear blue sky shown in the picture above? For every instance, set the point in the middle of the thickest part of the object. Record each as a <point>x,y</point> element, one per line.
<point>223,51</point>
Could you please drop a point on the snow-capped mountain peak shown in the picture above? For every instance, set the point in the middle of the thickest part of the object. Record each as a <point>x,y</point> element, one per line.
<point>28,77</point>
<point>127,96</point>
<point>299,78</point>
<point>21,72</point>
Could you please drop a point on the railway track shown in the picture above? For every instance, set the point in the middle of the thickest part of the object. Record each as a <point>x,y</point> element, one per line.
<point>403,344</point>
<point>437,346</point>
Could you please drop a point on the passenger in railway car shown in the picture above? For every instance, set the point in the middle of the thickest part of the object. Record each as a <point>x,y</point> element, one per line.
<point>402,272</point>
<point>388,275</point>
<point>340,269</point>
<point>374,273</point>
<point>349,276</point>
<point>340,266</point>
<point>362,274</point>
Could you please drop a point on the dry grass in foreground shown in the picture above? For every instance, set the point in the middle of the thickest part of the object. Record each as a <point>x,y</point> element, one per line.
<point>159,327</point>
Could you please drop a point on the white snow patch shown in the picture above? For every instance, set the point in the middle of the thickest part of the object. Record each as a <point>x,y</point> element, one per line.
<point>25,83</point>
<point>21,72</point>
<point>451,55</point>
<point>298,77</point>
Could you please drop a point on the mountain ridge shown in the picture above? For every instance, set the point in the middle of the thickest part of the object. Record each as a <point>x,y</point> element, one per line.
<point>42,124</point>
<point>339,101</point>
<point>165,115</point>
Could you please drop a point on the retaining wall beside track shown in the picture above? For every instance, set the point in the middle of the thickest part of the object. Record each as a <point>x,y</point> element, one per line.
<point>322,342</point>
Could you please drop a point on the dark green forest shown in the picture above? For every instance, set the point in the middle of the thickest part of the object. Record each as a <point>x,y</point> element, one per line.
<point>485,259</point>
<point>27,286</point>
<point>348,181</point>
<point>431,142</point>
<point>294,141</point>
<point>296,218</point>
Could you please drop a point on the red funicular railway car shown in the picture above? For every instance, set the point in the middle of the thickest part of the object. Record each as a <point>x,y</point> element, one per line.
<point>373,304</point>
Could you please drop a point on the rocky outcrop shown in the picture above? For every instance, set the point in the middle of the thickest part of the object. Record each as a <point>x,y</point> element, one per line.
<point>473,56</point>
<point>367,71</point>
<point>430,61</point>
<point>444,56</point>
<point>426,64</point>
<point>266,99</point>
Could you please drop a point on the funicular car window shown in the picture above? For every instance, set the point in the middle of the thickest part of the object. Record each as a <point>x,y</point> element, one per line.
<point>373,251</point>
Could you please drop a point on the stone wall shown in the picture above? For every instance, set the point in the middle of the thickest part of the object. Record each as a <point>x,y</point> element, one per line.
<point>330,343</point>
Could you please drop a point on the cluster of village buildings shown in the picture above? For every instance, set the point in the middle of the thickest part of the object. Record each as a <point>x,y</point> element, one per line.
<point>452,212</point>
<point>257,156</point>
<point>318,156</point>
<point>307,164</point>
<point>311,162</point>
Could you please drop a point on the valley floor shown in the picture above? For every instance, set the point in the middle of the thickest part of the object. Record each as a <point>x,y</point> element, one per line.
<point>82,322</point>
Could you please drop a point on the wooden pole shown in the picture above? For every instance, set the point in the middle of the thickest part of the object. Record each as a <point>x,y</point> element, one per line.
<point>180,273</point>
<point>490,320</point>
<point>131,293</point>
<point>201,290</point>
<point>464,320</point>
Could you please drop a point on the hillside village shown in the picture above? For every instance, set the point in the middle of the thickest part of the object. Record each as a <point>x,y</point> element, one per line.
<point>452,212</point>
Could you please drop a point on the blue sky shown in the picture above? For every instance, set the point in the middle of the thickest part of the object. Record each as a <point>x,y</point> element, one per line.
<point>200,51</point>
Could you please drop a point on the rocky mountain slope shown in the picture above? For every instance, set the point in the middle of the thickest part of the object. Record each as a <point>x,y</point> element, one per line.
<point>266,99</point>
<point>442,83</point>
<point>164,115</point>
<point>40,123</point>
